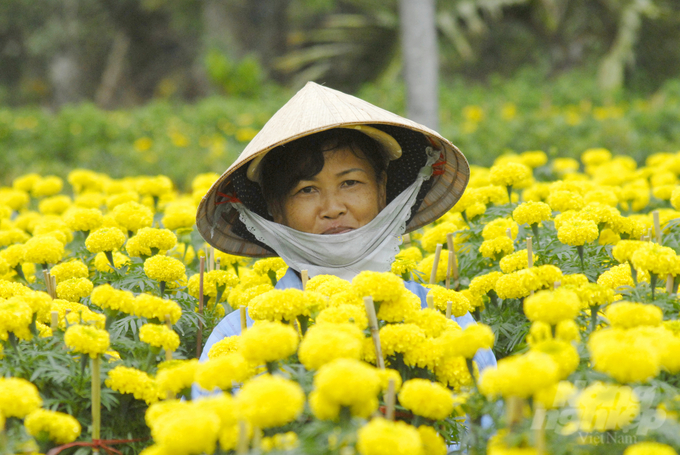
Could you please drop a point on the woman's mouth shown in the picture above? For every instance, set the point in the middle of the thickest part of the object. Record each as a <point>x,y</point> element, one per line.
<point>337,230</point>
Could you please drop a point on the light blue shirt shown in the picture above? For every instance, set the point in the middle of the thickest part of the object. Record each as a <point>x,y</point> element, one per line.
<point>231,324</point>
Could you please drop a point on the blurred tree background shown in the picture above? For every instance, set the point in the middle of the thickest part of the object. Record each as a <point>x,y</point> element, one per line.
<point>138,85</point>
<point>121,53</point>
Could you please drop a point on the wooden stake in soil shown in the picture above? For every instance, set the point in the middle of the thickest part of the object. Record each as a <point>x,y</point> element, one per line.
<point>168,353</point>
<point>453,260</point>
<point>657,226</point>
<point>435,264</point>
<point>390,400</point>
<point>430,301</point>
<point>448,310</point>
<point>406,240</point>
<point>244,322</point>
<point>304,276</point>
<point>375,334</point>
<point>669,284</point>
<point>530,252</point>
<point>96,400</point>
<point>50,284</point>
<point>242,447</point>
<point>199,335</point>
<point>54,320</point>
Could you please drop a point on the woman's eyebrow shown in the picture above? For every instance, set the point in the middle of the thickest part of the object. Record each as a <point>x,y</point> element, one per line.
<point>345,172</point>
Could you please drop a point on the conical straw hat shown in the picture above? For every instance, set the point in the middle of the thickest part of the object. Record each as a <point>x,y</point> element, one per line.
<point>314,109</point>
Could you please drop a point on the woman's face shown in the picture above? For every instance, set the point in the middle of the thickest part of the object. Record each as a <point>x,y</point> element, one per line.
<point>344,196</point>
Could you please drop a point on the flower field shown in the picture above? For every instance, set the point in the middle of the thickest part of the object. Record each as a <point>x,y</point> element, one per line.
<point>107,295</point>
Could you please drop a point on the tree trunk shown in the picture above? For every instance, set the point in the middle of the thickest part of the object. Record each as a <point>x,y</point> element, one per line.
<point>64,68</point>
<point>421,65</point>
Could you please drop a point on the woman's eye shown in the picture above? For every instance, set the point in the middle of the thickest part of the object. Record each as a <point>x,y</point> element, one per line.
<point>350,182</point>
<point>306,190</point>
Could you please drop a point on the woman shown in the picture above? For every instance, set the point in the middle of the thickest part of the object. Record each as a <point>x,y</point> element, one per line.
<point>330,184</point>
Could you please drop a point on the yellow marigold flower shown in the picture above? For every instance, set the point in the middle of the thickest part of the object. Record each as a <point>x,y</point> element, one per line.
<point>40,303</point>
<point>629,314</point>
<point>25,182</point>
<point>603,407</point>
<point>15,199</point>
<point>411,253</point>
<point>603,195</point>
<point>264,266</point>
<point>43,249</point>
<point>176,375</point>
<point>427,399</point>
<point>577,232</point>
<point>328,285</point>
<point>436,234</point>
<point>509,174</point>
<point>534,158</point>
<point>90,200</point>
<point>152,307</point>
<point>474,210</point>
<point>326,342</point>
<point>231,260</point>
<point>138,383</point>
<point>608,237</point>
<point>381,286</point>
<point>104,240</point>
<point>344,313</point>
<point>74,289</point>
<point>54,226</point>
<point>383,437</point>
<point>159,336</point>
<point>426,354</point>
<point>114,200</point>
<point>280,441</point>
<point>83,219</point>
<point>565,200</point>
<point>385,376</point>
<point>654,258</point>
<point>15,317</point>
<point>164,268</point>
<point>398,310</point>
<point>86,180</point>
<point>548,275</point>
<point>441,296</point>
<point>270,401</point>
<point>500,246</point>
<point>532,213</point>
<point>345,382</point>
<point>85,339</point>
<point>425,267</point>
<point>619,354</point>
<point>517,284</point>
<point>211,282</point>
<point>599,213</point>
<point>493,194</point>
<point>403,267</point>
<point>399,338</point>
<point>519,375</point>
<point>244,292</point>
<point>515,261</point>
<point>133,216</point>
<point>623,251</point>
<point>225,346</point>
<point>55,205</point>
<point>61,428</point>
<point>13,254</point>
<point>223,371</point>
<point>552,307</point>
<point>556,395</point>
<point>179,216</point>
<point>106,297</point>
<point>150,239</point>
<point>649,448</point>
<point>430,320</point>
<point>568,330</point>
<point>268,342</point>
<point>593,294</point>
<point>466,343</point>
<point>433,443</point>
<point>102,264</point>
<point>71,269</point>
<point>284,304</point>
<point>596,156</point>
<point>154,186</point>
<point>47,186</point>
<point>11,236</point>
<point>499,228</point>
<point>454,372</point>
<point>18,397</point>
<point>9,289</point>
<point>563,353</point>
<point>482,284</point>
<point>189,430</point>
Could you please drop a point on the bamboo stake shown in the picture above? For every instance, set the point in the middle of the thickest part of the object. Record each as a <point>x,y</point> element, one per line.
<point>218,264</point>
<point>540,431</point>
<point>304,276</point>
<point>96,401</point>
<point>435,264</point>
<point>406,240</point>
<point>508,232</point>
<point>657,226</point>
<point>244,322</point>
<point>557,284</point>
<point>375,334</point>
<point>168,353</point>
<point>50,284</point>
<point>430,301</point>
<point>453,260</point>
<point>54,320</point>
<point>669,284</point>
<point>448,310</point>
<point>242,447</point>
<point>199,335</point>
<point>530,252</point>
<point>390,400</point>
<point>53,280</point>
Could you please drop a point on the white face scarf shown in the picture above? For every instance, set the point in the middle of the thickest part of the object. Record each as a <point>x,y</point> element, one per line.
<point>370,247</point>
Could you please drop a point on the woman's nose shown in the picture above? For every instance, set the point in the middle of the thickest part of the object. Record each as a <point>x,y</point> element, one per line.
<point>333,206</point>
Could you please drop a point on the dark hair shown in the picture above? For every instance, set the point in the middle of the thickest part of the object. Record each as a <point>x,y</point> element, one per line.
<point>286,165</point>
